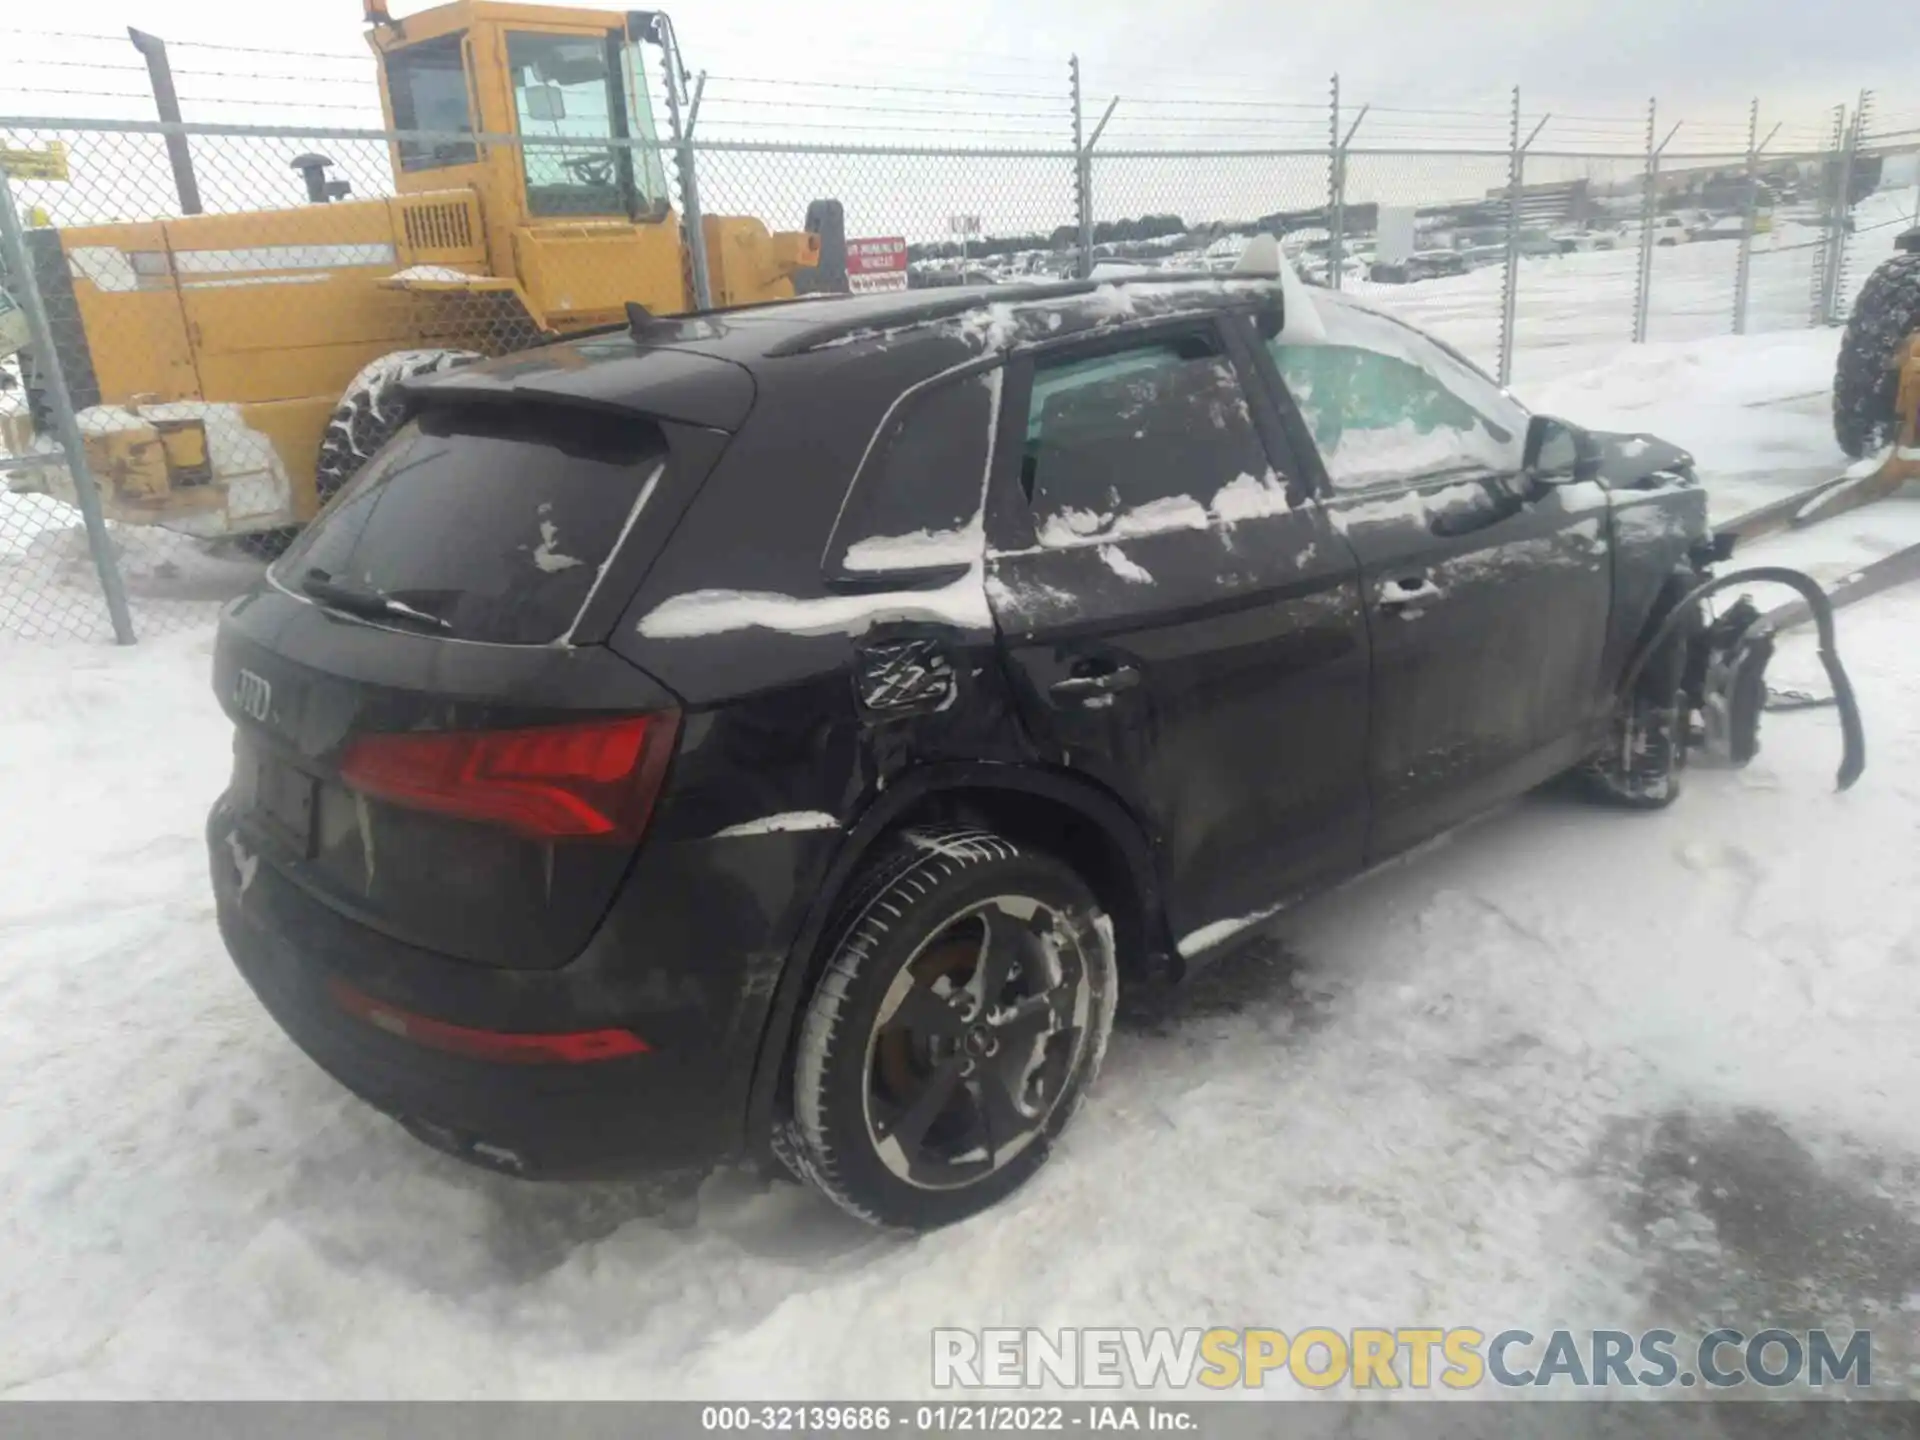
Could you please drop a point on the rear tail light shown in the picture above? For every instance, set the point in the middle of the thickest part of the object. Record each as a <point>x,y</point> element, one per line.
<point>596,780</point>
<point>505,1047</point>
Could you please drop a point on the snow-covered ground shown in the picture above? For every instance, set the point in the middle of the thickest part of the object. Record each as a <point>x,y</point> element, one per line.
<point>1571,1067</point>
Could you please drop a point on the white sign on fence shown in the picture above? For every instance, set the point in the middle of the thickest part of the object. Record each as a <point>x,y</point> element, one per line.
<point>963,224</point>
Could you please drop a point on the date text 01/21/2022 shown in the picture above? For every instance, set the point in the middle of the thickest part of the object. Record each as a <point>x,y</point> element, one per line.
<point>944,1418</point>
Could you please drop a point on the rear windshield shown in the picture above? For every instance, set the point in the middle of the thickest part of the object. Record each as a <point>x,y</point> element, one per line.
<point>495,523</point>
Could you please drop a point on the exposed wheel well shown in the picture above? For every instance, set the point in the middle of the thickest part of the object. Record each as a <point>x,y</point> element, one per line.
<point>1039,822</point>
<point>1033,820</point>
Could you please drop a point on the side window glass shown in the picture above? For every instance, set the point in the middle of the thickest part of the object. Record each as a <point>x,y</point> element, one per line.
<point>1383,404</point>
<point>427,85</point>
<point>564,88</point>
<point>1152,438</point>
<point>916,501</point>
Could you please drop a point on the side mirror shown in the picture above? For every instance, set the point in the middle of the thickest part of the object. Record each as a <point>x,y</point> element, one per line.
<point>1557,453</point>
<point>546,102</point>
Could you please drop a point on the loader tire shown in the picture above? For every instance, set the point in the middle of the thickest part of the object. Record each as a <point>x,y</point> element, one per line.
<point>370,411</point>
<point>1865,386</point>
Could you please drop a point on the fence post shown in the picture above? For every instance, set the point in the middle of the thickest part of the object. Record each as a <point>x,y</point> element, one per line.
<point>1516,194</point>
<point>1649,196</point>
<point>18,266</point>
<point>1823,256</point>
<point>1510,280</point>
<point>1336,193</point>
<point>1843,209</point>
<point>1743,266</point>
<point>1082,175</point>
<point>691,220</point>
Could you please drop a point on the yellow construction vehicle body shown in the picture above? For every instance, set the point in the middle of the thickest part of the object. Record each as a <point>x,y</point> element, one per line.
<point>1880,476</point>
<point>220,344</point>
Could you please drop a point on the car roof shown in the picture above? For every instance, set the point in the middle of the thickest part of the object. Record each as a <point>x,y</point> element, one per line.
<point>702,368</point>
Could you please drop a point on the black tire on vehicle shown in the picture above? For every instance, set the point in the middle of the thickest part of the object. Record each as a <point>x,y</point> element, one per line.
<point>1865,387</point>
<point>962,1015</point>
<point>369,412</point>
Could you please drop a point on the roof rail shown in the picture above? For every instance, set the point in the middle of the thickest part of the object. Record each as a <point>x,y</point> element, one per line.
<point>976,297</point>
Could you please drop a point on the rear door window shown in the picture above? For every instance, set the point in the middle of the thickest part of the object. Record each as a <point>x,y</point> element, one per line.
<point>1157,436</point>
<point>496,523</point>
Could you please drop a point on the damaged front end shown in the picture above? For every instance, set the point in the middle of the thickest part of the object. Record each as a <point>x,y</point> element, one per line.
<point>1726,666</point>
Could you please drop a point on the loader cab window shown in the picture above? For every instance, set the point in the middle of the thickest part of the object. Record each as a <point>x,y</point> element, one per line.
<point>427,84</point>
<point>568,88</point>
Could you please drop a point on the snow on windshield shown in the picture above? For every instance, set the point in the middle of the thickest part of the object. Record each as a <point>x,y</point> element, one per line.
<point>1384,403</point>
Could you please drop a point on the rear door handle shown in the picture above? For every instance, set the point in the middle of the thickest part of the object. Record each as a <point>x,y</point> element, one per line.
<point>1400,596</point>
<point>1121,677</point>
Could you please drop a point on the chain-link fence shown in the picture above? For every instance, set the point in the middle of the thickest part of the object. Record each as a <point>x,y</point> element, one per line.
<point>220,312</point>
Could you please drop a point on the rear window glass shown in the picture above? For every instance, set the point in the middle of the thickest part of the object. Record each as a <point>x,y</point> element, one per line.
<point>496,523</point>
<point>917,498</point>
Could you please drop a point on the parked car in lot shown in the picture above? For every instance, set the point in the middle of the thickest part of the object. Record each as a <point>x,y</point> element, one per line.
<point>1582,240</point>
<point>1421,265</point>
<point>786,731</point>
<point>1671,229</point>
<point>1719,227</point>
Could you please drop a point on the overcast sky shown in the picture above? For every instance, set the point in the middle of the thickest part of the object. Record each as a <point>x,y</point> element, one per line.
<point>1704,58</point>
<point>1226,74</point>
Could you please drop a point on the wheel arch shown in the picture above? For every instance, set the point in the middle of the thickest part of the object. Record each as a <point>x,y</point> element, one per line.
<point>1064,815</point>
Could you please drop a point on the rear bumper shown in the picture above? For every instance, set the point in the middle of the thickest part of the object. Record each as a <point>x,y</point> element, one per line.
<point>675,1106</point>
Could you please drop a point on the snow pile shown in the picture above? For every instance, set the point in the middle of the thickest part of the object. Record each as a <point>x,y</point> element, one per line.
<point>1457,1092</point>
<point>1115,559</point>
<point>1756,411</point>
<point>1249,497</point>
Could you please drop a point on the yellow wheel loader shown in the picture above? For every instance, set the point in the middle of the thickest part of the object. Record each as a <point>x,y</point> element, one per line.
<point>233,370</point>
<point>1876,407</point>
<point>1876,386</point>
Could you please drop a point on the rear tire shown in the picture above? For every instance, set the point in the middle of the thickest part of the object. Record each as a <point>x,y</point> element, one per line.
<point>962,1016</point>
<point>369,412</point>
<point>1865,386</point>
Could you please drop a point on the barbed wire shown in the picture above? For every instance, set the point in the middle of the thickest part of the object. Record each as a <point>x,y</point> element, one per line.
<point>711,100</point>
<point>1162,113</point>
<point>121,39</point>
<point>784,81</point>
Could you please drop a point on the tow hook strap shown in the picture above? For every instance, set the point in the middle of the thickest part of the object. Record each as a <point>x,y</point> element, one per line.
<point>1736,690</point>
